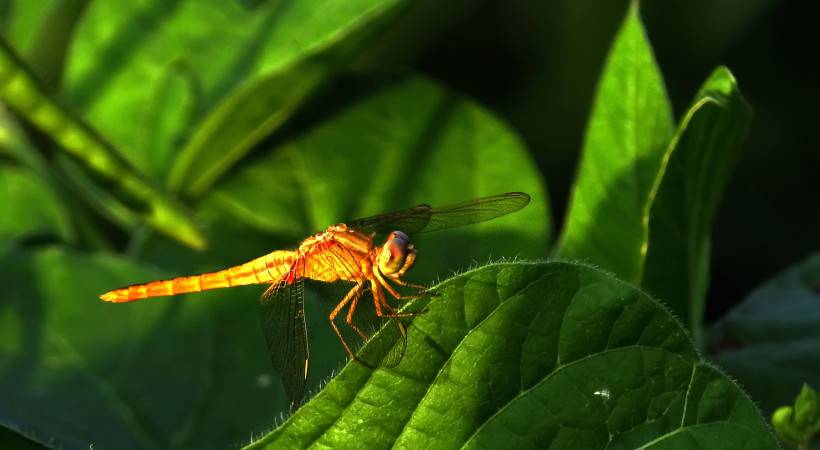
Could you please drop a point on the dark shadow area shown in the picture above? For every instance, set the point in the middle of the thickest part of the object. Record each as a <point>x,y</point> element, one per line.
<point>21,300</point>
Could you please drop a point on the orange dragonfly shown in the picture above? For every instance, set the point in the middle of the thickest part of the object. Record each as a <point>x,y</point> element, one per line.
<point>343,252</point>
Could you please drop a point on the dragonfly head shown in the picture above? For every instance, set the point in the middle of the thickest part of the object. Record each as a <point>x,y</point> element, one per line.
<point>397,254</point>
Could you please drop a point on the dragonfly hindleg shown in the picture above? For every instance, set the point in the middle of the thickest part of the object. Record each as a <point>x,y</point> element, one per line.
<point>355,292</point>
<point>350,311</point>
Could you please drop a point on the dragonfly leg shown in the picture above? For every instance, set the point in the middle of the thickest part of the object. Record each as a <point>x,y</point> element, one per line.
<point>353,293</point>
<point>349,318</point>
<point>401,282</point>
<point>379,302</point>
<point>390,289</point>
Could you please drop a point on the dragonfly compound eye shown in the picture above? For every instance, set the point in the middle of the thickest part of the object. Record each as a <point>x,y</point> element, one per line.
<point>394,252</point>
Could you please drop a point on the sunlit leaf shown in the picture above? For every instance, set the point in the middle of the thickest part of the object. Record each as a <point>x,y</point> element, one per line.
<point>240,122</point>
<point>627,135</point>
<point>534,355</point>
<point>249,77</point>
<point>27,97</point>
<point>21,20</point>
<point>174,102</point>
<point>263,103</point>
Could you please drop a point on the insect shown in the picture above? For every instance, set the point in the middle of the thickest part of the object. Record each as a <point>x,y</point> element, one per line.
<point>343,252</point>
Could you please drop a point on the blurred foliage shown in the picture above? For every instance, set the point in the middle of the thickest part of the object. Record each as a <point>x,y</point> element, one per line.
<point>134,134</point>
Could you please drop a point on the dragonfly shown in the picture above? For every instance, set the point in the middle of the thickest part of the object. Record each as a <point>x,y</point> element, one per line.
<point>345,252</point>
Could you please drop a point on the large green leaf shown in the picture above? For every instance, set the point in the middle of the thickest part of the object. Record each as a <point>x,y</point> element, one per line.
<point>701,156</point>
<point>627,135</point>
<point>533,355</point>
<point>396,141</point>
<point>771,341</point>
<point>130,190</point>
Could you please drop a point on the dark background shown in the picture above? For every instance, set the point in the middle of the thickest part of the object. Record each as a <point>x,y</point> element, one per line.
<point>536,63</point>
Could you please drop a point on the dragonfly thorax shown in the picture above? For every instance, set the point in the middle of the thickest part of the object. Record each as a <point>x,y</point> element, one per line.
<point>397,254</point>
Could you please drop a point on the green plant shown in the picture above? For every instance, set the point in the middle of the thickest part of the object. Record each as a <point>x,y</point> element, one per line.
<point>265,136</point>
<point>798,425</point>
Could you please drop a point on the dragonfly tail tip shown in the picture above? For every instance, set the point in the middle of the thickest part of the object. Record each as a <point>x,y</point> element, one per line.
<point>109,296</point>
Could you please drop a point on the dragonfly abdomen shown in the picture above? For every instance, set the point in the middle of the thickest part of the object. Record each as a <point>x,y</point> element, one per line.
<point>265,269</point>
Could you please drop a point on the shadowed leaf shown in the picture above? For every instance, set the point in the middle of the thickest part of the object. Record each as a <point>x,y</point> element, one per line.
<point>771,341</point>
<point>701,157</point>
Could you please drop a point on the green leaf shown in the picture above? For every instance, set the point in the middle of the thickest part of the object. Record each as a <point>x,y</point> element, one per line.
<point>31,205</point>
<point>47,54</point>
<point>396,142</point>
<point>30,208</point>
<point>21,20</point>
<point>240,122</point>
<point>155,374</point>
<point>807,409</point>
<point>120,52</point>
<point>529,355</point>
<point>264,103</point>
<point>644,200</point>
<point>174,103</point>
<point>627,135</point>
<point>771,341</point>
<point>20,90</point>
<point>701,156</point>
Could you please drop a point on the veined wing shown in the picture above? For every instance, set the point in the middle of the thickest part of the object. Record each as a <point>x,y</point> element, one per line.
<point>424,218</point>
<point>283,324</point>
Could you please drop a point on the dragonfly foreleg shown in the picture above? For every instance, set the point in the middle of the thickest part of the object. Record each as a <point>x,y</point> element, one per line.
<point>390,288</point>
<point>379,301</point>
<point>401,282</point>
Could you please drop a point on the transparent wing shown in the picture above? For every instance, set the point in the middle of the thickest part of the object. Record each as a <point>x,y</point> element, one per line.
<point>424,218</point>
<point>282,310</point>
